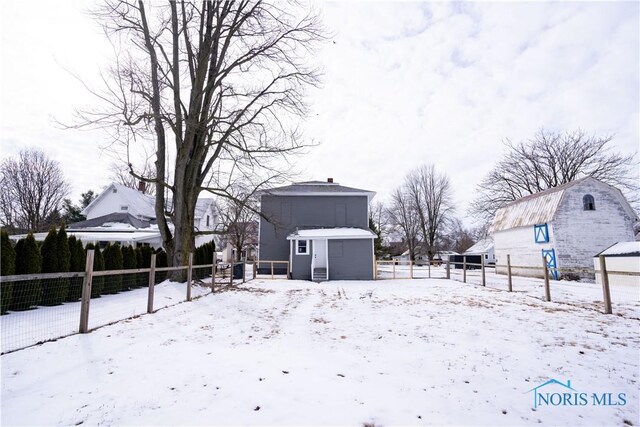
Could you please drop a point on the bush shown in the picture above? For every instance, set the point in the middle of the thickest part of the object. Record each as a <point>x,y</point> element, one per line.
<point>49,252</point>
<point>203,254</point>
<point>80,256</point>
<point>161,261</point>
<point>64,251</point>
<point>76,264</point>
<point>113,261</point>
<point>7,254</point>
<point>8,268</point>
<point>144,261</point>
<point>54,292</point>
<point>129,262</point>
<point>98,265</point>
<point>28,261</point>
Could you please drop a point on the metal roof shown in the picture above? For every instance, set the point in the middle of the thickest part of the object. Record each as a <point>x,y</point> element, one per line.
<point>541,207</point>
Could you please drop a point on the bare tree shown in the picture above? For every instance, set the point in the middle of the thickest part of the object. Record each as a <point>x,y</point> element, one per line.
<point>216,87</point>
<point>432,197</point>
<point>33,188</point>
<point>240,221</point>
<point>403,218</point>
<point>121,174</point>
<point>550,159</point>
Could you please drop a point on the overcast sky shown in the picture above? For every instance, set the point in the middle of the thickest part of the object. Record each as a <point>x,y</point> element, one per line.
<point>405,83</point>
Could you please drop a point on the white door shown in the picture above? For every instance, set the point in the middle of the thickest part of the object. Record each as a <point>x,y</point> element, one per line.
<point>319,259</point>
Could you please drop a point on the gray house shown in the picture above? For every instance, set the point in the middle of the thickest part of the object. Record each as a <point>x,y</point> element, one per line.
<point>321,228</point>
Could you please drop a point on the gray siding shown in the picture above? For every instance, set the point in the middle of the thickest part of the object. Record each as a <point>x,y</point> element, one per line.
<point>301,266</point>
<point>351,259</point>
<point>286,213</point>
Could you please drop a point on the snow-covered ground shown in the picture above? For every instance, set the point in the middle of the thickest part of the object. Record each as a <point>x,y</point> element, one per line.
<point>24,328</point>
<point>625,298</point>
<point>409,352</point>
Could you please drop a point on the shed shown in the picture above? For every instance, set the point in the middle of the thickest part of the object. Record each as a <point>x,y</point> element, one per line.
<point>622,257</point>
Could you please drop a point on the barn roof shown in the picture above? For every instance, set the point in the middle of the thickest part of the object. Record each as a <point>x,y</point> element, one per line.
<point>541,207</point>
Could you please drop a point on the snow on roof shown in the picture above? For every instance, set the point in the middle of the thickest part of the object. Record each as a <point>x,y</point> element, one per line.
<point>140,205</point>
<point>113,219</point>
<point>622,248</point>
<point>332,233</point>
<point>481,247</point>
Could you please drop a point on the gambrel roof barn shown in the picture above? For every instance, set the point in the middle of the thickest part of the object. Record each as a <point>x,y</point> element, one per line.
<point>567,224</point>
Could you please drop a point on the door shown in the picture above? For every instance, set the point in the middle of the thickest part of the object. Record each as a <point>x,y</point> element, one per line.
<point>319,258</point>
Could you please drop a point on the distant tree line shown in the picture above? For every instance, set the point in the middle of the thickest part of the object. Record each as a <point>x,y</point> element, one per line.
<point>62,253</point>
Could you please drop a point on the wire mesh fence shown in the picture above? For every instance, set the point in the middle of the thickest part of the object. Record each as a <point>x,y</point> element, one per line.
<point>543,282</point>
<point>44,307</point>
<point>38,308</point>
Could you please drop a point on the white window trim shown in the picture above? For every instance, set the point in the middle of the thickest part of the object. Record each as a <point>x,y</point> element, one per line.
<point>298,248</point>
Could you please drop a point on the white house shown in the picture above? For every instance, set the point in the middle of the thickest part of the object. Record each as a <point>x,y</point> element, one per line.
<point>122,214</point>
<point>621,257</point>
<point>567,225</point>
<point>484,248</point>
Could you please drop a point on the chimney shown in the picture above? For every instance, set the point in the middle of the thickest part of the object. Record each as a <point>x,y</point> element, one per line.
<point>142,186</point>
<point>330,180</point>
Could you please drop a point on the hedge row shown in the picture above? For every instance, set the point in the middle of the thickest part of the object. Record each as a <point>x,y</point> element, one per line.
<point>59,253</point>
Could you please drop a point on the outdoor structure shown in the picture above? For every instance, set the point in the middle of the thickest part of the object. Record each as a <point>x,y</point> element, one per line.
<point>123,215</point>
<point>484,248</point>
<point>320,228</point>
<point>620,257</point>
<point>567,225</point>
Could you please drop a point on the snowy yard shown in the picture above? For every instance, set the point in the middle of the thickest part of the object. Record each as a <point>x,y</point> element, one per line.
<point>410,352</point>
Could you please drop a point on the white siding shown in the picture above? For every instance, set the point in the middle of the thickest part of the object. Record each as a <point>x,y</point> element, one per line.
<point>620,263</point>
<point>109,203</point>
<point>583,234</point>
<point>520,243</point>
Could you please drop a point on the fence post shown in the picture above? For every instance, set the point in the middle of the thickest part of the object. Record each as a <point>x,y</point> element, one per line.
<point>213,273</point>
<point>255,269</point>
<point>375,269</point>
<point>231,274</point>
<point>547,291</point>
<point>509,273</point>
<point>152,283</point>
<point>244,271</point>
<point>484,279</point>
<point>464,268</point>
<point>394,268</point>
<point>271,270</point>
<point>86,293</point>
<point>429,268</point>
<point>448,269</point>
<point>411,269</point>
<point>189,276</point>
<point>605,285</point>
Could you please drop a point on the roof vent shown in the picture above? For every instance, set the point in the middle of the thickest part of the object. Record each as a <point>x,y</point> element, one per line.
<point>330,180</point>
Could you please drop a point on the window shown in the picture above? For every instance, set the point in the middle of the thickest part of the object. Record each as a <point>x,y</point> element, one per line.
<point>302,247</point>
<point>207,220</point>
<point>486,256</point>
<point>588,203</point>
<point>541,233</point>
<point>124,208</point>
